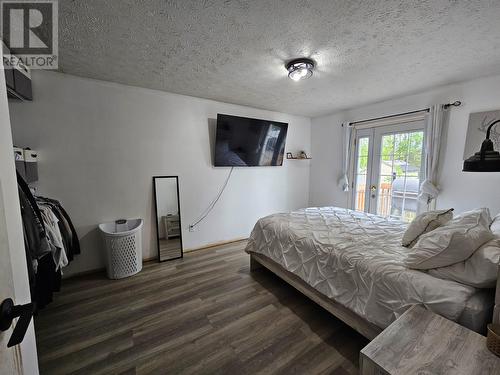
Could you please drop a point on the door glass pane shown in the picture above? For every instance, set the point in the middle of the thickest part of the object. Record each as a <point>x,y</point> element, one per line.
<point>361,173</point>
<point>399,177</point>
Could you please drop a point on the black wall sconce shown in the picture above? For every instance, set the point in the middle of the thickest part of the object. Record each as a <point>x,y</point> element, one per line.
<point>487,159</point>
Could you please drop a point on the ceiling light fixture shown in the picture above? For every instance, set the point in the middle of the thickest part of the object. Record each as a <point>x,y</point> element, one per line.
<point>300,69</point>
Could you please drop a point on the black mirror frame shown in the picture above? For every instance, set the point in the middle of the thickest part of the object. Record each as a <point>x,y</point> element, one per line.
<point>156,218</point>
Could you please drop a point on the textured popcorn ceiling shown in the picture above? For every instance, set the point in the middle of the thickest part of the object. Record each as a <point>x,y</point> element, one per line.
<point>234,50</point>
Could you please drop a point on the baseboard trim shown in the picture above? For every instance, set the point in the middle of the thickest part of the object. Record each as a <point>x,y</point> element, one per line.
<point>155,258</point>
<point>101,270</point>
<point>215,244</point>
<point>84,273</point>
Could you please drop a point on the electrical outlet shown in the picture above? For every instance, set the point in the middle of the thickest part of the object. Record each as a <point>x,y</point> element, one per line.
<point>191,228</point>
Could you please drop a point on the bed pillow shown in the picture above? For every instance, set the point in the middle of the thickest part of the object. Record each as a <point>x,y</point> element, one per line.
<point>495,225</point>
<point>479,271</point>
<point>424,223</point>
<point>453,242</point>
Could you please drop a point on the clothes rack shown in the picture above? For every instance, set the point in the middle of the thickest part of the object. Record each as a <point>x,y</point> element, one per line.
<point>51,242</point>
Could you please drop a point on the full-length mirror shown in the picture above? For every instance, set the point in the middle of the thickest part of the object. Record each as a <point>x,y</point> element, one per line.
<point>168,217</point>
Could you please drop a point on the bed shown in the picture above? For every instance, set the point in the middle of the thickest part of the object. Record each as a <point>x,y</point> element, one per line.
<point>351,263</point>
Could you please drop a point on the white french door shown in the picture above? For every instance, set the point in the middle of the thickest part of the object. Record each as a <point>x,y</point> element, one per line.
<point>387,169</point>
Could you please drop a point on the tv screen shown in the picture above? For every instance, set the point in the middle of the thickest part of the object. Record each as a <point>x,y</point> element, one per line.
<point>248,142</point>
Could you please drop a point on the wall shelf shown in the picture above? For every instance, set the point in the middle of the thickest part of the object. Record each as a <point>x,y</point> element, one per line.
<point>294,158</point>
<point>299,156</point>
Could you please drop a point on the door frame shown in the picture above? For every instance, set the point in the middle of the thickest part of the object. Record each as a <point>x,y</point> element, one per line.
<point>26,352</point>
<point>362,133</point>
<point>375,134</point>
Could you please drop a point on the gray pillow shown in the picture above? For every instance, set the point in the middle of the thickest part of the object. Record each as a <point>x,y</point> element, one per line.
<point>424,223</point>
<point>479,271</point>
<point>453,242</point>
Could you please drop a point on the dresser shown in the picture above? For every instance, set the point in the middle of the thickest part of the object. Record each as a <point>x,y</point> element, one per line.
<point>172,226</point>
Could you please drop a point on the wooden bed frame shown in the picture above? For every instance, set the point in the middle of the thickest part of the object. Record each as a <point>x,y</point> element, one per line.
<point>367,329</point>
<point>353,320</point>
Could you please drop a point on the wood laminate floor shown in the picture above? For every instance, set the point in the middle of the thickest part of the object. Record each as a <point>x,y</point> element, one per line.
<point>203,314</point>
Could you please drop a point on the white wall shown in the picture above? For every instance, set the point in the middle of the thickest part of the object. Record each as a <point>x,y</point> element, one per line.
<point>101,143</point>
<point>460,190</point>
<point>10,201</point>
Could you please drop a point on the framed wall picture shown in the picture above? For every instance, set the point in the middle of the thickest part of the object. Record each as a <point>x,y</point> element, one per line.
<point>476,131</point>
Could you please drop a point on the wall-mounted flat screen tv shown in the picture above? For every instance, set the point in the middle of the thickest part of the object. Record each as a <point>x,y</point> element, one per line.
<point>248,142</point>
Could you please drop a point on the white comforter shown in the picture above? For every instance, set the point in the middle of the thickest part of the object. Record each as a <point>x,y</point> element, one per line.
<point>356,259</point>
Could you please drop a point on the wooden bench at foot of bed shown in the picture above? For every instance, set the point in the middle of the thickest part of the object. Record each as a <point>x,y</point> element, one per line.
<point>350,318</point>
<point>367,329</point>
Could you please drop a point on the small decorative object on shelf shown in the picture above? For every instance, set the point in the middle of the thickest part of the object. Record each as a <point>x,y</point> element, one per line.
<point>300,156</point>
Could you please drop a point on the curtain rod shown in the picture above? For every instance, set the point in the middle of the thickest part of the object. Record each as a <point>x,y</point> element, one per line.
<point>456,103</point>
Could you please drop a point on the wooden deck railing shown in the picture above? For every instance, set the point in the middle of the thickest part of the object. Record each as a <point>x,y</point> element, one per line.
<point>384,202</point>
<point>384,207</point>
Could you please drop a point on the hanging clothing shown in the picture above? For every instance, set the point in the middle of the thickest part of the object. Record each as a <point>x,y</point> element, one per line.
<point>47,281</point>
<point>50,243</point>
<point>31,265</point>
<point>54,234</point>
<point>75,243</point>
<point>67,235</point>
<point>66,226</point>
<point>34,228</point>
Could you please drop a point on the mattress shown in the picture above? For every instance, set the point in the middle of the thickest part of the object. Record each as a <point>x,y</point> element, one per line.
<point>478,310</point>
<point>357,259</point>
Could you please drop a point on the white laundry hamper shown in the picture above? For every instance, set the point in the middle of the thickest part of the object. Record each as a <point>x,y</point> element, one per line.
<point>123,241</point>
